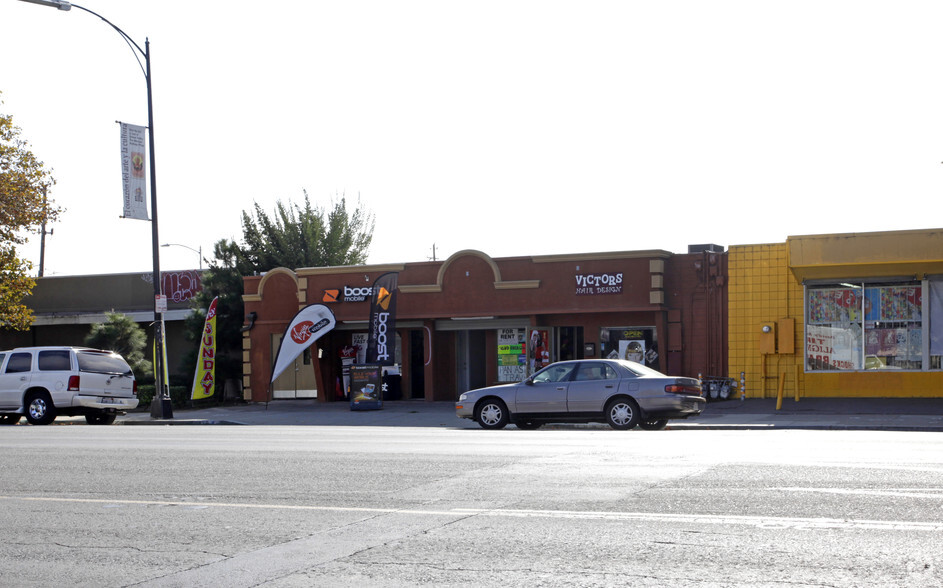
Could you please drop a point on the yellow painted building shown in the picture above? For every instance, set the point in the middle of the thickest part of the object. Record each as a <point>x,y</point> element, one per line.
<point>845,315</point>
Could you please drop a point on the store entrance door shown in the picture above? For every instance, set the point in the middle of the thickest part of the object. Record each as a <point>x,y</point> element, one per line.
<point>417,364</point>
<point>298,380</point>
<point>469,361</point>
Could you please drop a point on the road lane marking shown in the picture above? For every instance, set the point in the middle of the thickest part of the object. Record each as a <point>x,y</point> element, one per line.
<point>765,522</point>
<point>898,493</point>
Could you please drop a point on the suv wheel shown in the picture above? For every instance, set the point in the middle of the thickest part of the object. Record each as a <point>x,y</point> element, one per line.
<point>100,418</point>
<point>622,413</point>
<point>39,408</point>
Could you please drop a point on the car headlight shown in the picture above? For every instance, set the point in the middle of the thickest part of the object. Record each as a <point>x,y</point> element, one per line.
<point>463,398</point>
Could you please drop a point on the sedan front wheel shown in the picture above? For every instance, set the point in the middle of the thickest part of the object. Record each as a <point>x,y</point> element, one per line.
<point>492,414</point>
<point>622,414</point>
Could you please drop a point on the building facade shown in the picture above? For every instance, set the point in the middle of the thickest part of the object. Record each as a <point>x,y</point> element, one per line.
<point>66,307</point>
<point>852,315</point>
<point>472,321</point>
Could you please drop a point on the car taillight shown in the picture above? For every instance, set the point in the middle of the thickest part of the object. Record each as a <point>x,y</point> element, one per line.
<point>134,388</point>
<point>73,383</point>
<point>683,389</point>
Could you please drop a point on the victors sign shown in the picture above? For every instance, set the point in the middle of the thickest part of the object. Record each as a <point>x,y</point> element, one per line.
<point>599,284</point>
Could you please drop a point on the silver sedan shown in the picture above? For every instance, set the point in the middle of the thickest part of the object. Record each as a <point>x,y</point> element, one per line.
<point>618,392</point>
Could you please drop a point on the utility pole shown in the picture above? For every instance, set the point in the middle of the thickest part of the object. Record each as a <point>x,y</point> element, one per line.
<point>42,238</point>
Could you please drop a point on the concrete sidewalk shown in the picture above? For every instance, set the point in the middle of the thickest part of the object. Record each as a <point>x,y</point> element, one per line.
<point>893,414</point>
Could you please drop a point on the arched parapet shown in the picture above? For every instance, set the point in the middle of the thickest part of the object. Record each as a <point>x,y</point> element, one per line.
<point>499,282</point>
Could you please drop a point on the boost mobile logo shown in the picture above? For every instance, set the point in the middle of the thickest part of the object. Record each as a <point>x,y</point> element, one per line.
<point>383,298</point>
<point>383,352</point>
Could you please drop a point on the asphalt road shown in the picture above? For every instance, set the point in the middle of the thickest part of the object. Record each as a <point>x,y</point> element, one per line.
<point>400,506</point>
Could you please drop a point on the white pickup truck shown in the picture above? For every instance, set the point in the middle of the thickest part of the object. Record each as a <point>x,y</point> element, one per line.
<point>43,382</point>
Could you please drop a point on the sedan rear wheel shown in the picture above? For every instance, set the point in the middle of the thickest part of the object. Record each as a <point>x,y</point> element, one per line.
<point>622,413</point>
<point>492,414</point>
<point>654,424</point>
<point>9,419</point>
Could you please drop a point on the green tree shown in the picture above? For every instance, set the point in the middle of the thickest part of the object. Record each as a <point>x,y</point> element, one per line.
<point>296,235</point>
<point>24,183</point>
<point>221,280</point>
<point>303,236</point>
<point>119,333</point>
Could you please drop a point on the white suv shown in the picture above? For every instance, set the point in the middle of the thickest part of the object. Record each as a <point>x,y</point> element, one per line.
<point>42,382</point>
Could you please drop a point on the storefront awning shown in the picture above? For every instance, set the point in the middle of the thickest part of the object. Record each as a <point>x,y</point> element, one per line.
<point>916,253</point>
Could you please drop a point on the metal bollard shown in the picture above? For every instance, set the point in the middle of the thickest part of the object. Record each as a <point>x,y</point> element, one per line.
<point>743,386</point>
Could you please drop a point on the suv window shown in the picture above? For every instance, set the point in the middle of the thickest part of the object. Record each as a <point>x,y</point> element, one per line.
<point>19,362</point>
<point>54,360</point>
<point>102,363</point>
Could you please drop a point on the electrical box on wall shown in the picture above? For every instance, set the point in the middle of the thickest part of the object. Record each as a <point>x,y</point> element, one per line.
<point>786,336</point>
<point>768,337</point>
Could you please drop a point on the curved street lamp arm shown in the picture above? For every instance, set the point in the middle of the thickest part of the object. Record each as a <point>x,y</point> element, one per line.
<point>134,46</point>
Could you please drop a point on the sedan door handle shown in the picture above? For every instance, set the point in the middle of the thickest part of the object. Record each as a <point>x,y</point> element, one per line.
<point>561,388</point>
<point>610,386</point>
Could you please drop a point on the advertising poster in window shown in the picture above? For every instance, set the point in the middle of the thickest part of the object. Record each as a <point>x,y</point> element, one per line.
<point>512,355</point>
<point>632,343</point>
<point>893,303</point>
<point>538,349</point>
<point>632,350</point>
<point>838,305</point>
<point>829,348</point>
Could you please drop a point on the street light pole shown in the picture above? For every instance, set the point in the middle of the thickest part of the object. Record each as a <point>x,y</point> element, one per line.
<point>160,406</point>
<point>198,251</point>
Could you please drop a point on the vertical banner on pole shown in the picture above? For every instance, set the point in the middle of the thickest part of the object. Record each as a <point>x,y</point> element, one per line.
<point>133,172</point>
<point>204,380</point>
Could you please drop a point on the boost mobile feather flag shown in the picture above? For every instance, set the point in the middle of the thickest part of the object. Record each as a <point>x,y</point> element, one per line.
<point>308,325</point>
<point>204,381</point>
<point>381,340</point>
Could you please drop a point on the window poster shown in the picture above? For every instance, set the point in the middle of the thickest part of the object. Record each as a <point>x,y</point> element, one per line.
<point>833,348</point>
<point>512,355</point>
<point>834,305</point>
<point>538,350</point>
<point>636,344</point>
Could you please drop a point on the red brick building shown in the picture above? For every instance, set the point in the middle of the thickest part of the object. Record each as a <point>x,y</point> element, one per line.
<point>471,320</point>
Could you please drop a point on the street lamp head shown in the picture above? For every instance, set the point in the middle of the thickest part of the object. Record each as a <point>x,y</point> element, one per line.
<point>60,4</point>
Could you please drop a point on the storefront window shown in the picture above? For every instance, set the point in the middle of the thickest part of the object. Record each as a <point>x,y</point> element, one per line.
<point>637,344</point>
<point>512,355</point>
<point>864,326</point>
<point>936,323</point>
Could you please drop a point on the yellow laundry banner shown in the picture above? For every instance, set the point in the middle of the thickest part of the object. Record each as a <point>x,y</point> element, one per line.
<point>204,382</point>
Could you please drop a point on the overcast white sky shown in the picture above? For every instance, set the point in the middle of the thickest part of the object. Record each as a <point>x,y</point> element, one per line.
<point>515,128</point>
